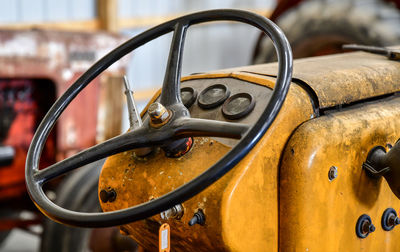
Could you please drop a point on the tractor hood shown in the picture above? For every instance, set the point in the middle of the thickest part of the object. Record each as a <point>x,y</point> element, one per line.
<point>340,79</point>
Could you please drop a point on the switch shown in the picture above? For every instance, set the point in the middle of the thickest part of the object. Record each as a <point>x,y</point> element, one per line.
<point>198,218</point>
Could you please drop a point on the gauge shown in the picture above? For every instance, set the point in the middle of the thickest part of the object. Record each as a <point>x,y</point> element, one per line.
<point>213,96</point>
<point>188,96</point>
<point>238,106</point>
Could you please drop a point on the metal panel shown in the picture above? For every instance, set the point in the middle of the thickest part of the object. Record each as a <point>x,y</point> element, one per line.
<point>164,8</point>
<point>125,8</point>
<point>320,215</point>
<point>226,202</point>
<point>82,9</point>
<point>57,10</point>
<point>31,11</point>
<point>8,11</point>
<point>342,78</point>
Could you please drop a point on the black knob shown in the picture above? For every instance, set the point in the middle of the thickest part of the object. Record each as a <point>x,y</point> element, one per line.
<point>389,219</point>
<point>108,195</point>
<point>198,218</point>
<point>364,226</point>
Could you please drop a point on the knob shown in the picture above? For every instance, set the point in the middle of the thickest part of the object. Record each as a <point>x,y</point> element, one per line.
<point>364,226</point>
<point>390,219</point>
<point>198,218</point>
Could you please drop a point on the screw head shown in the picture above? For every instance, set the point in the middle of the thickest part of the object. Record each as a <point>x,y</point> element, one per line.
<point>333,173</point>
<point>158,113</point>
<point>371,228</point>
<point>367,227</point>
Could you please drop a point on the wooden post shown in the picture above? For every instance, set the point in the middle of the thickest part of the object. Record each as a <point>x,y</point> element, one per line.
<point>107,11</point>
<point>109,120</point>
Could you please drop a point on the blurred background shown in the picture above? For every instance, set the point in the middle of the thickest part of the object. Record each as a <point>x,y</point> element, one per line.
<point>46,45</point>
<point>208,47</point>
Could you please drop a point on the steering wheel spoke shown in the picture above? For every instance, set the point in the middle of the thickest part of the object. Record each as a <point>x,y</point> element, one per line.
<point>139,138</point>
<point>170,94</point>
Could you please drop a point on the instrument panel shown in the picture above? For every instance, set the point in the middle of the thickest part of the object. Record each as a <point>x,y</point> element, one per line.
<point>225,99</point>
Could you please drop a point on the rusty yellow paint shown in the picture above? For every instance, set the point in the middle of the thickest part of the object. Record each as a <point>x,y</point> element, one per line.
<point>317,214</point>
<point>137,181</point>
<point>241,208</point>
<point>249,208</point>
<point>338,79</point>
<point>279,196</point>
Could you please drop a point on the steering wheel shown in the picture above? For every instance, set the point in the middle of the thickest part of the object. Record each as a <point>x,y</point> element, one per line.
<point>179,125</point>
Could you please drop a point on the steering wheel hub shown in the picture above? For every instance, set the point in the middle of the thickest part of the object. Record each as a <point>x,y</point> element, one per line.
<point>159,115</point>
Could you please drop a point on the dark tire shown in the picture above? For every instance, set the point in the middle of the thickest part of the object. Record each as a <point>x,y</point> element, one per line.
<point>318,27</point>
<point>77,192</point>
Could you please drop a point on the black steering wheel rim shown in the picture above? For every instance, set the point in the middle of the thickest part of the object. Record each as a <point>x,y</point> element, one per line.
<point>248,141</point>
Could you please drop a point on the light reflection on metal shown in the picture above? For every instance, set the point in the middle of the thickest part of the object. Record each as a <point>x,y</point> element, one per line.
<point>135,120</point>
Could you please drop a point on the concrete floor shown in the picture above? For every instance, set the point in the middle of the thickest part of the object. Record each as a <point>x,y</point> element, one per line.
<point>20,241</point>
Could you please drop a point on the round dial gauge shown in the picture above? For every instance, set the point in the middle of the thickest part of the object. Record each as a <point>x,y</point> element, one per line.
<point>213,96</point>
<point>188,96</point>
<point>238,106</point>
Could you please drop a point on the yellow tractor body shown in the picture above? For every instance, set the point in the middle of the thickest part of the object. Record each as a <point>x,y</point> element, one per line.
<point>302,187</point>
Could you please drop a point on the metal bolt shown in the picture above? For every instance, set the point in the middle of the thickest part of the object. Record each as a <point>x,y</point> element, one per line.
<point>158,113</point>
<point>393,220</point>
<point>175,212</point>
<point>108,195</point>
<point>333,173</point>
<point>371,228</point>
<point>367,227</point>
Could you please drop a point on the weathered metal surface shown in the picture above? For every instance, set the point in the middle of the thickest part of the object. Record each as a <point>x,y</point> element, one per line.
<point>241,208</point>
<point>22,104</point>
<point>49,61</point>
<point>342,78</point>
<point>138,181</point>
<point>61,57</point>
<point>317,214</point>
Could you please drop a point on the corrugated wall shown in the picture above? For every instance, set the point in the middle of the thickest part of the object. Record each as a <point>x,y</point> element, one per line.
<point>13,11</point>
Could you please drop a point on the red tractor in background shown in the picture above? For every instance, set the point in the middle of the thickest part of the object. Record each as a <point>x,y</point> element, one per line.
<point>36,66</point>
<point>321,27</point>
